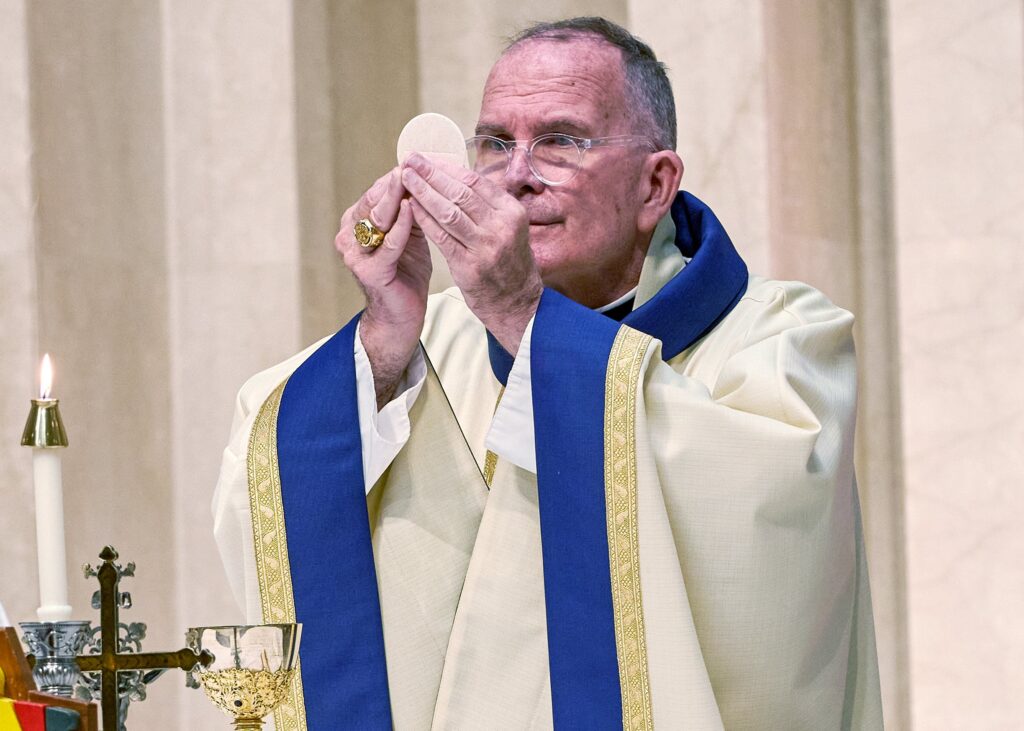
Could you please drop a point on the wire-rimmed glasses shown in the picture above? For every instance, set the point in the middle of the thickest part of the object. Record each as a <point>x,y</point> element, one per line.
<point>554,158</point>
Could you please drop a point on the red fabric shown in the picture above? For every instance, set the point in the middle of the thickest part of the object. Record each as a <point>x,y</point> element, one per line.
<point>31,716</point>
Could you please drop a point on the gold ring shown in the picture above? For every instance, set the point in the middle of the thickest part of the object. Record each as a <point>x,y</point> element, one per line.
<point>368,235</point>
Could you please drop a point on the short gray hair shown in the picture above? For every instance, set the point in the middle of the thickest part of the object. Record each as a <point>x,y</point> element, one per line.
<point>647,85</point>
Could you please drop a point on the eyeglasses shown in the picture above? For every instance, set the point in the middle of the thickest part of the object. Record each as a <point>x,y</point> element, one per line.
<point>554,158</point>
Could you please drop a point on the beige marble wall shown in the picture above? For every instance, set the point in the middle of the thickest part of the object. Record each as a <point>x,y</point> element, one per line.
<point>958,113</point>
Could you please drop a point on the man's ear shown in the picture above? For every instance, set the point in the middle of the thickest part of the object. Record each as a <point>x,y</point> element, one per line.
<point>659,184</point>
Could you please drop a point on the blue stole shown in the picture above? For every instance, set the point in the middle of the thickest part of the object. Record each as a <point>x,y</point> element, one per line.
<point>344,672</point>
<point>569,351</point>
<point>334,582</point>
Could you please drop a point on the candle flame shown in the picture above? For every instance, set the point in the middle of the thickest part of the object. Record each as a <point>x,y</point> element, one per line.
<point>45,377</point>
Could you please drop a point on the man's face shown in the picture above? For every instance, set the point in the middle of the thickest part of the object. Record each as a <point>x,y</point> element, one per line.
<point>583,234</point>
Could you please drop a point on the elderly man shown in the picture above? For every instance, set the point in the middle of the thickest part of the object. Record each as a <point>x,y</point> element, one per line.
<point>613,486</point>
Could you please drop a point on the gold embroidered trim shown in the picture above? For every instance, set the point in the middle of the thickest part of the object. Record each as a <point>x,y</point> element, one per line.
<point>491,459</point>
<point>271,546</point>
<point>624,372</point>
<point>490,465</point>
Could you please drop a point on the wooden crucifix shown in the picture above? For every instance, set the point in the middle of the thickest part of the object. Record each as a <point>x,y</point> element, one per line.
<point>110,662</point>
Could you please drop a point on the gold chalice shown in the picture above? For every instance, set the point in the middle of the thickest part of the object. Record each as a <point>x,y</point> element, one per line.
<point>252,668</point>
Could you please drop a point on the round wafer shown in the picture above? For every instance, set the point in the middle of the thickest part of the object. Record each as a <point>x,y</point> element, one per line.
<point>435,137</point>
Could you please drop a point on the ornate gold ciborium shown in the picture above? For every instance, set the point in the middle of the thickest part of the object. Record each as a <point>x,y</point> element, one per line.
<point>251,670</point>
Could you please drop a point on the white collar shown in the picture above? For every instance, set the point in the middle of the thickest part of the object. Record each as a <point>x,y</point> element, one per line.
<point>611,305</point>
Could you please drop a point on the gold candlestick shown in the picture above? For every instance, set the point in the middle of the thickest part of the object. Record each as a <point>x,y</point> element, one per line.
<point>44,429</point>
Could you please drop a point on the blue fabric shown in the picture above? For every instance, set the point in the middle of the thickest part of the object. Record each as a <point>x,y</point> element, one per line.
<point>501,360</point>
<point>569,352</point>
<point>568,359</point>
<point>344,675</point>
<point>704,292</point>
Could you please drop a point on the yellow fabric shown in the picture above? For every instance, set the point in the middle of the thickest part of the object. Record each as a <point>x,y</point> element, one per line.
<point>755,604</point>
<point>491,459</point>
<point>271,548</point>
<point>8,719</point>
<point>625,367</point>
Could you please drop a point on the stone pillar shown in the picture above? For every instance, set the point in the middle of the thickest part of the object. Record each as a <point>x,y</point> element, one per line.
<point>830,215</point>
<point>812,146</point>
<point>958,113</point>
<point>879,445</point>
<point>372,57</point>
<point>277,117</point>
<point>719,86</point>
<point>323,285</point>
<point>102,301</point>
<point>459,41</point>
<point>19,356</point>
<point>234,259</point>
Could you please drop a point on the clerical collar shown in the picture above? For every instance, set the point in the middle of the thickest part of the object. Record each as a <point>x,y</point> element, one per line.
<point>620,301</point>
<point>621,307</point>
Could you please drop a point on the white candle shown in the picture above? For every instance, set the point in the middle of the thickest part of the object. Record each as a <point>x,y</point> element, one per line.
<point>53,573</point>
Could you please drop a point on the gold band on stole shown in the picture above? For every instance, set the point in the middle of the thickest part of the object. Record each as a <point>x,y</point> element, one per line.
<point>270,545</point>
<point>625,368</point>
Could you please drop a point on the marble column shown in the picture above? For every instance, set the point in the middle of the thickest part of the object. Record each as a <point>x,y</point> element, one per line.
<point>102,300</point>
<point>715,58</point>
<point>372,55</point>
<point>958,114</point>
<point>830,214</point>
<point>278,117</point>
<point>234,255</point>
<point>879,448</point>
<point>19,343</point>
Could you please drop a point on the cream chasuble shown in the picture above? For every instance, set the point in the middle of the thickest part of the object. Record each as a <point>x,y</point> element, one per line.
<point>738,580</point>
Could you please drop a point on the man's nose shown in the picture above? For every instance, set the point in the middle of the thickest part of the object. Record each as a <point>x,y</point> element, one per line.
<point>519,179</point>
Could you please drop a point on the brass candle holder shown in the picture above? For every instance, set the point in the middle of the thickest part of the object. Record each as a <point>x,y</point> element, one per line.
<point>44,429</point>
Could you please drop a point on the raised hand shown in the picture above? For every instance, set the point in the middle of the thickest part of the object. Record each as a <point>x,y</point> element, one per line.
<point>394,278</point>
<point>483,233</point>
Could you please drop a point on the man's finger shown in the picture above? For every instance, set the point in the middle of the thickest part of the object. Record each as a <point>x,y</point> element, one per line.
<point>490,192</point>
<point>395,239</point>
<point>433,230</point>
<point>382,214</point>
<point>371,197</point>
<point>453,182</point>
<point>455,222</point>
